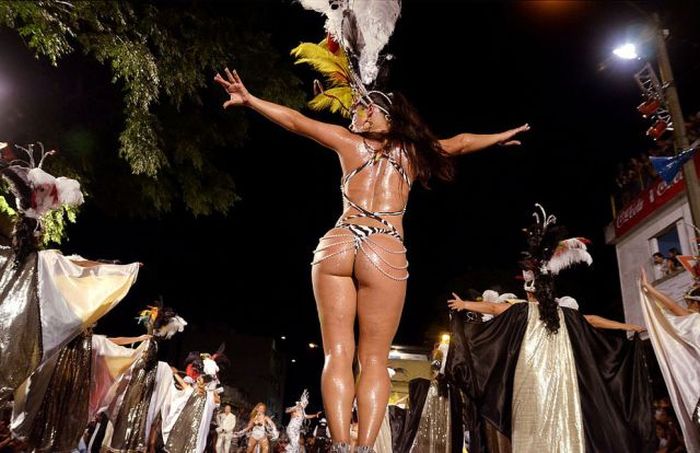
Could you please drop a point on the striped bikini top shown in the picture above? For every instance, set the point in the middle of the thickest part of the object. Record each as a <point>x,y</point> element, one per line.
<point>375,158</point>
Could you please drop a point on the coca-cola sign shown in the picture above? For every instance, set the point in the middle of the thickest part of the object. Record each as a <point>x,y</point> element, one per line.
<point>647,202</point>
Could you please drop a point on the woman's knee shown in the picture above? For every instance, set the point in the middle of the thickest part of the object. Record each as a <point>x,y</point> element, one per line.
<point>373,361</point>
<point>340,354</point>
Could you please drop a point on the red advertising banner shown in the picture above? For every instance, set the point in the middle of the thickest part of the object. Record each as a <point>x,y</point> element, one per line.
<point>647,202</point>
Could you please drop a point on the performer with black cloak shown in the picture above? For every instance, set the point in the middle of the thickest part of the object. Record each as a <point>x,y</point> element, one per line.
<point>142,393</point>
<point>359,270</point>
<point>46,298</point>
<point>542,375</point>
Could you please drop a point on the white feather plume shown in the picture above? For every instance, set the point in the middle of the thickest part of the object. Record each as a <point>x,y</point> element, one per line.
<point>69,191</point>
<point>375,20</point>
<point>210,367</point>
<point>569,252</point>
<point>304,400</point>
<point>175,324</point>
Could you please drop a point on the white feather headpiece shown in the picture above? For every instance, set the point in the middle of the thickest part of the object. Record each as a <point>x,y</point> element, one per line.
<point>569,252</point>
<point>304,399</point>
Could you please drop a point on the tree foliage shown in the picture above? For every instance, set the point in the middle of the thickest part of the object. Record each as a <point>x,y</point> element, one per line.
<point>162,56</point>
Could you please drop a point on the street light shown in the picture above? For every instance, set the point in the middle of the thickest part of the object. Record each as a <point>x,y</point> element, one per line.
<point>670,94</point>
<point>627,51</point>
<point>313,345</point>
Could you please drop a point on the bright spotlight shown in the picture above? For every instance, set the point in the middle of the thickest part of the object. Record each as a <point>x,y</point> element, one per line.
<point>627,51</point>
<point>313,345</point>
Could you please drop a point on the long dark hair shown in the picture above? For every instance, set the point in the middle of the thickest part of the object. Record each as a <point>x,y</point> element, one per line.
<point>544,293</point>
<point>426,157</point>
<point>542,242</point>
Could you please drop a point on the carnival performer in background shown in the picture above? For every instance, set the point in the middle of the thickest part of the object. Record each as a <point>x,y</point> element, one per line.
<point>541,374</point>
<point>674,332</point>
<point>142,393</point>
<point>297,419</point>
<point>322,436</point>
<point>54,406</point>
<point>359,269</point>
<point>225,425</point>
<point>258,426</point>
<point>186,425</point>
<point>46,299</point>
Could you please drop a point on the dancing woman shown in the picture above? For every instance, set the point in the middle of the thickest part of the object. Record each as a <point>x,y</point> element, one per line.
<point>297,419</point>
<point>258,426</point>
<point>359,269</point>
<point>674,331</point>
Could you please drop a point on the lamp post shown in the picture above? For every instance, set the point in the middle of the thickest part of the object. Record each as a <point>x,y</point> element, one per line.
<point>670,95</point>
<point>680,137</point>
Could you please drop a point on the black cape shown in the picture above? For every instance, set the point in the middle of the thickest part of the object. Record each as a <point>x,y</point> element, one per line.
<point>614,389</point>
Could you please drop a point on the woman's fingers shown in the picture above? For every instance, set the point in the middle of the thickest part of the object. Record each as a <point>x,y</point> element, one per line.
<point>236,76</point>
<point>512,143</point>
<point>220,80</point>
<point>229,75</point>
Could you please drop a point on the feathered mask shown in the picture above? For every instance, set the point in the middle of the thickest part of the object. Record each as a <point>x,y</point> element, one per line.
<point>161,322</point>
<point>349,58</point>
<point>548,253</point>
<point>36,192</point>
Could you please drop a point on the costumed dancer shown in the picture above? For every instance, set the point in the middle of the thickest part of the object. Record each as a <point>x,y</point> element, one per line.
<point>46,299</point>
<point>541,374</point>
<point>674,332</point>
<point>142,393</point>
<point>54,406</point>
<point>359,269</point>
<point>186,425</point>
<point>225,425</point>
<point>297,419</point>
<point>258,428</point>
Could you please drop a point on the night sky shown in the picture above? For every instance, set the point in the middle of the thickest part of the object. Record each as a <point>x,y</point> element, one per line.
<point>467,67</point>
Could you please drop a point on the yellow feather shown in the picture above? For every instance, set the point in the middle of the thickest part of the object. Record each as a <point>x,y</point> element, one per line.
<point>338,99</point>
<point>333,67</point>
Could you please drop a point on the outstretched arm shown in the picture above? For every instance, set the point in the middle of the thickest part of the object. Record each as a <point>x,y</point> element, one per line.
<point>605,323</point>
<point>308,417</point>
<point>469,143</point>
<point>331,136</point>
<point>488,308</point>
<point>667,302</point>
<point>124,341</point>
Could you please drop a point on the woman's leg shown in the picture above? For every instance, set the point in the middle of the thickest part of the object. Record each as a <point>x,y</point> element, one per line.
<point>264,445</point>
<point>251,445</point>
<point>336,300</point>
<point>380,300</point>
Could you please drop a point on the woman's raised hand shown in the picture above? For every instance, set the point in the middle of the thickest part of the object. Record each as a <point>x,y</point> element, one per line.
<point>456,303</point>
<point>238,94</point>
<point>507,136</point>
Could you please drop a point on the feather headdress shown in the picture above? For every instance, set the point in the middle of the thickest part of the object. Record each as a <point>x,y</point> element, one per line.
<point>350,57</point>
<point>36,191</point>
<point>548,252</point>
<point>204,364</point>
<point>160,321</point>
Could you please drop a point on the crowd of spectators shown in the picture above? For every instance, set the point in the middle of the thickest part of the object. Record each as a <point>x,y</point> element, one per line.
<point>637,173</point>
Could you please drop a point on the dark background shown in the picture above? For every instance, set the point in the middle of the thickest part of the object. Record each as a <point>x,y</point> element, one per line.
<point>467,66</point>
